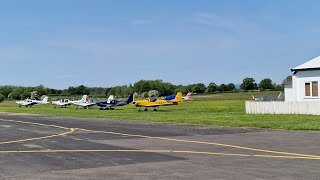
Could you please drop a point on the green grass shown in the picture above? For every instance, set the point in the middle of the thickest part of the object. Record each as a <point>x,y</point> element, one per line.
<point>217,110</point>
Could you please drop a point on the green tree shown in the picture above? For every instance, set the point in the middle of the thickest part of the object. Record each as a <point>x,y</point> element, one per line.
<point>278,87</point>
<point>72,90</point>
<point>249,84</point>
<point>287,80</point>
<point>41,90</point>
<point>266,84</point>
<point>181,88</point>
<point>2,97</point>
<point>223,88</point>
<point>199,88</point>
<point>81,90</point>
<point>142,86</point>
<point>6,90</point>
<point>20,93</point>
<point>231,87</point>
<point>213,87</point>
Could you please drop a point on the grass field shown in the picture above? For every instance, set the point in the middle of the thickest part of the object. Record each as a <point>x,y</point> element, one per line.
<point>219,110</point>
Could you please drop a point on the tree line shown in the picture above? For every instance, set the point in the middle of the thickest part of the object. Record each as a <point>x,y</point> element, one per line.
<point>142,88</point>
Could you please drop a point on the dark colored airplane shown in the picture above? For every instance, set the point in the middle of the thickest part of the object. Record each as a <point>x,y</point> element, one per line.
<point>110,103</point>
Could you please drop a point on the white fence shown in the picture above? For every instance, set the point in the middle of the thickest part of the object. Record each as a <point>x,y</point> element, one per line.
<point>279,107</point>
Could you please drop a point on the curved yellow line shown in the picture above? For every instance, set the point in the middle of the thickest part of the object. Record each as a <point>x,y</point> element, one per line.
<point>160,151</point>
<point>71,130</point>
<point>207,143</point>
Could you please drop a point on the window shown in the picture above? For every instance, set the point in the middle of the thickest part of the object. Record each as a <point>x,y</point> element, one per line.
<point>315,89</point>
<point>307,89</point>
<point>311,89</point>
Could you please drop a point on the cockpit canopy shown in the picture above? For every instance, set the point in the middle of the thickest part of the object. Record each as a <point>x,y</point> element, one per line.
<point>152,99</point>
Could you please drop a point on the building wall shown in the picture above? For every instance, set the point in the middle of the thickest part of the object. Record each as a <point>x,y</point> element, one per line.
<point>303,77</point>
<point>296,92</point>
<point>290,94</point>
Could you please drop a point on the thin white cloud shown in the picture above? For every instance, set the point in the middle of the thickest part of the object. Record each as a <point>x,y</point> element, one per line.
<point>213,20</point>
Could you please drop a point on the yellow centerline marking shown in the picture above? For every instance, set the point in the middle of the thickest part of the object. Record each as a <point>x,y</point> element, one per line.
<point>160,151</point>
<point>70,130</point>
<point>203,142</point>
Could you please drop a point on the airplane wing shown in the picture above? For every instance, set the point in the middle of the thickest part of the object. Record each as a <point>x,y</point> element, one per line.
<point>154,105</point>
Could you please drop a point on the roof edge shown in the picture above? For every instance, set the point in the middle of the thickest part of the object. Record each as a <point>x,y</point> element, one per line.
<point>305,69</point>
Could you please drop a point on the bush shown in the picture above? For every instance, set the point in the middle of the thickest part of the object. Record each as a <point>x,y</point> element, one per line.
<point>144,95</point>
<point>153,93</point>
<point>135,95</point>
<point>1,97</point>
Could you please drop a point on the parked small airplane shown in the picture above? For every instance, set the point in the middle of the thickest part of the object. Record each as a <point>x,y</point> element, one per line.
<point>270,98</point>
<point>62,103</point>
<point>32,102</point>
<point>186,98</point>
<point>111,102</point>
<point>154,103</point>
<point>84,102</point>
<point>83,99</point>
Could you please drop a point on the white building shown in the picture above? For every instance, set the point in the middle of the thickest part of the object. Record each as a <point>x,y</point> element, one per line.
<point>301,96</point>
<point>305,82</point>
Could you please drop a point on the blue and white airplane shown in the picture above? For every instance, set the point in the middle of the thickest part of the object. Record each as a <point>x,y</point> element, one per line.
<point>111,102</point>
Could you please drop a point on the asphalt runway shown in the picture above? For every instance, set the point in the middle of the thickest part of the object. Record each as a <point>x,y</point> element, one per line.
<point>48,147</point>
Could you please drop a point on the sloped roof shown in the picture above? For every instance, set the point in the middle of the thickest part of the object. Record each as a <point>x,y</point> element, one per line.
<point>310,65</point>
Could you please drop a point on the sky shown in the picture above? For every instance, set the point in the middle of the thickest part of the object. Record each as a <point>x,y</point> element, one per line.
<point>104,43</point>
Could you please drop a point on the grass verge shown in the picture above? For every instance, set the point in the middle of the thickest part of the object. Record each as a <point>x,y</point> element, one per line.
<point>216,112</point>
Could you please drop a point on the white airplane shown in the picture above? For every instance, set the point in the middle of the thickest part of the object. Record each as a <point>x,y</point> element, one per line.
<point>187,97</point>
<point>62,103</point>
<point>84,102</point>
<point>32,102</point>
<point>110,98</point>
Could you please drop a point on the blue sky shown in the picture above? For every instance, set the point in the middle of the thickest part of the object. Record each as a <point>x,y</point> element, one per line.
<point>105,43</point>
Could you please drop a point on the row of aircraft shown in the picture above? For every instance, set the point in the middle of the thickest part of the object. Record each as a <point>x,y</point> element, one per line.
<point>111,102</point>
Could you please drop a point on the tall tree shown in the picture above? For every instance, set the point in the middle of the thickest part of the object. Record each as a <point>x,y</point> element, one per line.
<point>231,87</point>
<point>199,88</point>
<point>266,84</point>
<point>213,87</point>
<point>249,84</point>
<point>223,88</point>
<point>287,80</point>
<point>1,98</point>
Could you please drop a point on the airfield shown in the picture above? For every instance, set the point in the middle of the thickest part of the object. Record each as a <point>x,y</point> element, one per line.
<point>51,147</point>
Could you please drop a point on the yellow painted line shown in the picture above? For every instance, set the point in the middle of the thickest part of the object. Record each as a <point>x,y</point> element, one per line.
<point>70,130</point>
<point>159,151</point>
<point>207,143</point>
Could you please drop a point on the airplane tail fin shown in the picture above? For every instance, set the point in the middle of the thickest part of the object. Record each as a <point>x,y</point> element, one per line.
<point>178,97</point>
<point>188,96</point>
<point>130,99</point>
<point>45,99</point>
<point>281,96</point>
<point>84,98</point>
<point>111,97</point>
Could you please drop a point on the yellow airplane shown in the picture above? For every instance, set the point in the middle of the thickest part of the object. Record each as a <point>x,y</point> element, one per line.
<point>154,103</point>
